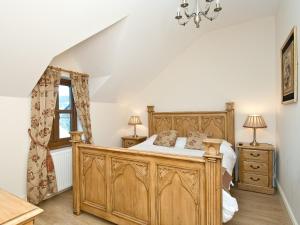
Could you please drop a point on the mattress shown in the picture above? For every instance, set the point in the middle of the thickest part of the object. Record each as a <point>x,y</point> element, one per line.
<point>230,206</point>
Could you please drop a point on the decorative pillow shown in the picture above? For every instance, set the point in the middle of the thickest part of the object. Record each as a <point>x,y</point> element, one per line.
<point>166,138</point>
<point>195,140</point>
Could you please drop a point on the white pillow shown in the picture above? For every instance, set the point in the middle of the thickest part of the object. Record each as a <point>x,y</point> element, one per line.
<point>150,140</point>
<point>226,143</point>
<point>180,142</point>
<point>229,158</point>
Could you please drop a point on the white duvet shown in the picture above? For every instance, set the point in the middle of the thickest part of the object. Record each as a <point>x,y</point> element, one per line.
<point>230,206</point>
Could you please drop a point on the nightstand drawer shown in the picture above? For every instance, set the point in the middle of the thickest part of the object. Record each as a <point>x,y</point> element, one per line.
<point>255,179</point>
<point>129,143</point>
<point>255,167</point>
<point>254,155</point>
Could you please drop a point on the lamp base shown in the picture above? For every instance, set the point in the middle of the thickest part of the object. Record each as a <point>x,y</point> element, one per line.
<point>254,143</point>
<point>134,134</point>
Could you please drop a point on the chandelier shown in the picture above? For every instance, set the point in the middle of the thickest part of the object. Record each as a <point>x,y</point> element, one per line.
<point>210,12</point>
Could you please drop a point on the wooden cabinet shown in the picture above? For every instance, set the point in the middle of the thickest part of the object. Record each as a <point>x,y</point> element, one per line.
<point>15,211</point>
<point>256,167</point>
<point>130,141</point>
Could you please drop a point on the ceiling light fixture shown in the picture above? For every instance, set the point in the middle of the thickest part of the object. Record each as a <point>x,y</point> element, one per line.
<point>210,12</point>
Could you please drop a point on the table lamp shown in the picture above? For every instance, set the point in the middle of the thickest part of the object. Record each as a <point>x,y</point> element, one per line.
<point>255,121</point>
<point>134,120</point>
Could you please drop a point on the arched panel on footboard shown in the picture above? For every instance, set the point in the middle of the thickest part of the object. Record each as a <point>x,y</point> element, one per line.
<point>178,195</point>
<point>130,190</point>
<point>93,189</point>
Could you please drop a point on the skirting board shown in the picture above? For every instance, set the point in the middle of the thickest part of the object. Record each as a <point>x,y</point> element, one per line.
<point>59,192</point>
<point>286,203</point>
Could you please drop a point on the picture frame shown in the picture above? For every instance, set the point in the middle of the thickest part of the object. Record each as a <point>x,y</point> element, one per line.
<point>289,69</point>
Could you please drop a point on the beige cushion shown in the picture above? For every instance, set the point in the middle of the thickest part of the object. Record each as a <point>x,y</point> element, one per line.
<point>195,140</point>
<point>166,138</point>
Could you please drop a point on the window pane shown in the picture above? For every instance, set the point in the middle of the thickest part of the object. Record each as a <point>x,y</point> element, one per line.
<point>64,125</point>
<point>64,97</point>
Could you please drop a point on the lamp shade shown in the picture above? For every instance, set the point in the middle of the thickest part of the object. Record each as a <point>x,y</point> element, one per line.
<point>134,120</point>
<point>255,121</point>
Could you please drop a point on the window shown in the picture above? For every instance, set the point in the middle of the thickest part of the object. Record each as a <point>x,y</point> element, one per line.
<point>65,116</point>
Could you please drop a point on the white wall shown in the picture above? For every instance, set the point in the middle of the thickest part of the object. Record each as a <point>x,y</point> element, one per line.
<point>15,120</point>
<point>233,64</point>
<point>288,117</point>
<point>109,123</point>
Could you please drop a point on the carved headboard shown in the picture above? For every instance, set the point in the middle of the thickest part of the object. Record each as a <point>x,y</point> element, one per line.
<point>217,124</point>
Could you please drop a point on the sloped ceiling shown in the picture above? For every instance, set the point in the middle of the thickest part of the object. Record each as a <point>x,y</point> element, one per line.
<point>34,31</point>
<point>130,53</point>
<point>122,55</point>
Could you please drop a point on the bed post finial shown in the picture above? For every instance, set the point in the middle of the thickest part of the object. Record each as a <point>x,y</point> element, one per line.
<point>76,136</point>
<point>76,140</point>
<point>212,146</point>
<point>230,122</point>
<point>150,109</point>
<point>229,106</point>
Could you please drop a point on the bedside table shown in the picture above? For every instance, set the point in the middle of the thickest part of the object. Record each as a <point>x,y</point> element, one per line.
<point>129,141</point>
<point>256,167</point>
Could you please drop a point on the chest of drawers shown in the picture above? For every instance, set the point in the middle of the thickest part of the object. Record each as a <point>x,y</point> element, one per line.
<point>256,168</point>
<point>16,211</point>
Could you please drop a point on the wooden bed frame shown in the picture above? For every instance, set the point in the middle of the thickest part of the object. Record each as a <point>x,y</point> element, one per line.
<point>127,187</point>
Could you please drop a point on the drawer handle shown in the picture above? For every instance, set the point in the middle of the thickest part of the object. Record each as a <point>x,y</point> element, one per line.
<point>254,167</point>
<point>255,179</point>
<point>255,155</point>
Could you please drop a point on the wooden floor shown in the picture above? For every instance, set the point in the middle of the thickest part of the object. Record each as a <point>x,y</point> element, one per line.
<point>255,209</point>
<point>259,209</point>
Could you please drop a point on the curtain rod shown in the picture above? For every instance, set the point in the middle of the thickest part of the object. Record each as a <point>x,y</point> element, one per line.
<point>67,71</point>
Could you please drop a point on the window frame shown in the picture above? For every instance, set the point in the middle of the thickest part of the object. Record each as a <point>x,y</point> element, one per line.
<point>55,142</point>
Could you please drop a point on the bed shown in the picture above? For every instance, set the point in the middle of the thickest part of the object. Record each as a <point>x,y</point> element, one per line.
<point>229,203</point>
<point>151,186</point>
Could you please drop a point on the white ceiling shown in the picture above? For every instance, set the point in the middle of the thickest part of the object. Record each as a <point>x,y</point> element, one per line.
<point>132,52</point>
<point>121,58</point>
<point>34,31</point>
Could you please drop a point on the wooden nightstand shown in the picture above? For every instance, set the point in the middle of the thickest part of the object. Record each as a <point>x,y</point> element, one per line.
<point>129,141</point>
<point>256,167</point>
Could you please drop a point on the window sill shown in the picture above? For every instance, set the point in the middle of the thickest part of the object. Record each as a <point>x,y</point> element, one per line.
<point>60,146</point>
<point>60,150</point>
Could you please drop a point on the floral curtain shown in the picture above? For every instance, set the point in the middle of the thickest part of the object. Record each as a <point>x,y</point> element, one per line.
<point>41,178</point>
<point>80,88</point>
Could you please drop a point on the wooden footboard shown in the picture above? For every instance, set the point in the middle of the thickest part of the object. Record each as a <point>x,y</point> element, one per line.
<point>134,187</point>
